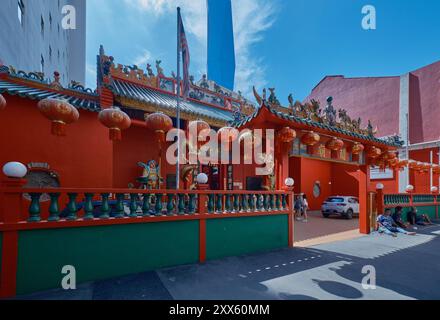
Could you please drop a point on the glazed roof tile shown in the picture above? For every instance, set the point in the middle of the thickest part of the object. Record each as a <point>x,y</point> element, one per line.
<point>168,101</point>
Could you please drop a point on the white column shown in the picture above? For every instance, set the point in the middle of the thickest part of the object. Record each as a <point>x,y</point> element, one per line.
<point>404,129</point>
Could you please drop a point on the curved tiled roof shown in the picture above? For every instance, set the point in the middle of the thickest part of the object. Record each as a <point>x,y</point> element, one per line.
<point>25,91</point>
<point>168,101</point>
<point>314,124</point>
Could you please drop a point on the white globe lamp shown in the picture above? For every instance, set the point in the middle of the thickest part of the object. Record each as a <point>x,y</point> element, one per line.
<point>409,188</point>
<point>202,178</point>
<point>380,186</point>
<point>434,189</point>
<point>15,170</point>
<point>289,182</point>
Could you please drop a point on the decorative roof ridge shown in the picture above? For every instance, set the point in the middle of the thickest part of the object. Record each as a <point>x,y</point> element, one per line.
<point>35,80</point>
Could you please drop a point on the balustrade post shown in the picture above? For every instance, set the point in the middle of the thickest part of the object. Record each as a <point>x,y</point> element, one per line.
<point>54,210</point>
<point>181,205</point>
<point>11,211</point>
<point>119,207</point>
<point>236,203</point>
<point>146,204</point>
<point>133,205</point>
<point>158,207</point>
<point>170,204</point>
<point>105,208</point>
<point>35,208</point>
<point>219,204</point>
<point>88,207</point>
<point>201,210</point>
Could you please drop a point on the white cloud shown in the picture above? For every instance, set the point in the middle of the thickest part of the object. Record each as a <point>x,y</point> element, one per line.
<point>251,19</point>
<point>142,59</point>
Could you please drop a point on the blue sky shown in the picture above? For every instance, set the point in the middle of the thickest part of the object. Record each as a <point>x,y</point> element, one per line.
<point>287,44</point>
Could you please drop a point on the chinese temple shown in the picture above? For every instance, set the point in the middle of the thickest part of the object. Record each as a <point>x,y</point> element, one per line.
<point>323,157</point>
<point>95,178</point>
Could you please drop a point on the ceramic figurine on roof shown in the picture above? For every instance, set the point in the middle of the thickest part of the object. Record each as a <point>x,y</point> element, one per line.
<point>273,98</point>
<point>330,113</point>
<point>159,68</point>
<point>55,84</point>
<point>150,70</point>
<point>204,83</point>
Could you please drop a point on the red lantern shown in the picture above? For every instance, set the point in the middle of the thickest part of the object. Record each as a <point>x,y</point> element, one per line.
<point>116,120</point>
<point>335,144</point>
<point>160,123</point>
<point>200,125</point>
<point>2,102</point>
<point>435,169</point>
<point>310,138</point>
<point>287,135</point>
<point>357,148</point>
<point>60,112</point>
<point>373,152</point>
<point>230,133</point>
<point>413,165</point>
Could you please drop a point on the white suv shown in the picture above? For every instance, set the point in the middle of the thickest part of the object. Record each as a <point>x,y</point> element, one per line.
<point>341,206</point>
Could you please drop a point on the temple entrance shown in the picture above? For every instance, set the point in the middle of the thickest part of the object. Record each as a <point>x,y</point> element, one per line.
<point>334,184</point>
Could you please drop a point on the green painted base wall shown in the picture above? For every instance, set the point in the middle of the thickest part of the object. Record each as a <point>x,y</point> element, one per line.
<point>102,252</point>
<point>430,211</point>
<point>238,236</point>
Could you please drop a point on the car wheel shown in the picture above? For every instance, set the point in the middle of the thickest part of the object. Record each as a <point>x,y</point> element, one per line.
<point>349,214</point>
<point>325,215</point>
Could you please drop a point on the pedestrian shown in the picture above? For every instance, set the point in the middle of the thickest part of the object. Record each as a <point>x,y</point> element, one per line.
<point>305,208</point>
<point>299,207</point>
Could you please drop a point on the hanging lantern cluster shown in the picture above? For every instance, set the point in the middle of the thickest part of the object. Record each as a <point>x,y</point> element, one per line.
<point>287,135</point>
<point>373,152</point>
<point>160,124</point>
<point>2,102</point>
<point>310,139</point>
<point>116,120</point>
<point>435,169</point>
<point>231,134</point>
<point>357,148</point>
<point>60,112</point>
<point>335,144</point>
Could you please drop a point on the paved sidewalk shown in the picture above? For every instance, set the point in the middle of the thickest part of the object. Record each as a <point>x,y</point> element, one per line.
<point>406,268</point>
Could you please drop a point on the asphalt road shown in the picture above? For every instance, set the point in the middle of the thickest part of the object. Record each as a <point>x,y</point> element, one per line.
<point>406,268</point>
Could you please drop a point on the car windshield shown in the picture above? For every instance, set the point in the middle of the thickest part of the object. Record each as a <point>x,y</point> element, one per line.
<point>335,200</point>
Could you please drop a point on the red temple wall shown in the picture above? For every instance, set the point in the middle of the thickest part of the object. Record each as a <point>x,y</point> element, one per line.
<point>82,158</point>
<point>345,180</point>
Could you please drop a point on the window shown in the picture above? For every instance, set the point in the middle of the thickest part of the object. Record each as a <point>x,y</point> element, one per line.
<point>20,11</point>
<point>42,26</point>
<point>42,64</point>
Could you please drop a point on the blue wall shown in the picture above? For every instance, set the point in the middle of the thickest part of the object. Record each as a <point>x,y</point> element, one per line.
<point>221,51</point>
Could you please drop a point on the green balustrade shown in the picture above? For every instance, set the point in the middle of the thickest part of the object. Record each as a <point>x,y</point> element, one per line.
<point>284,201</point>
<point>236,203</point>
<point>211,199</point>
<point>119,207</point>
<point>105,207</point>
<point>219,204</point>
<point>181,205</point>
<point>228,203</point>
<point>258,203</point>
<point>34,207</point>
<point>170,204</point>
<point>277,202</point>
<point>54,210</point>
<point>146,206</point>
<point>72,208</point>
<point>192,204</point>
<point>244,202</point>
<point>158,207</point>
<point>133,205</point>
<point>88,206</point>
<point>252,202</point>
<point>272,202</point>
<point>265,202</point>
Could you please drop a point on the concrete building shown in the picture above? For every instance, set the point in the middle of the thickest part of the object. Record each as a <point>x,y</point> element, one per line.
<point>407,105</point>
<point>221,49</point>
<point>33,39</point>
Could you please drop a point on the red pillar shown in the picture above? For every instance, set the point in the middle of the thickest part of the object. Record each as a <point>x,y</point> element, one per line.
<point>10,213</point>
<point>364,217</point>
<point>282,169</point>
<point>380,201</point>
<point>202,222</point>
